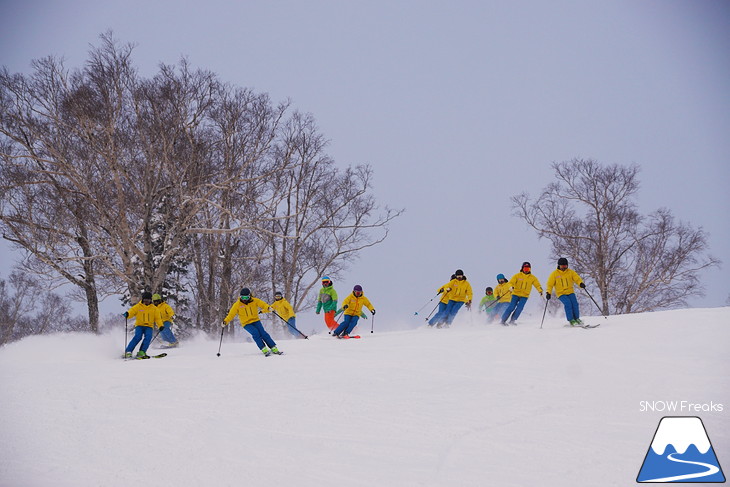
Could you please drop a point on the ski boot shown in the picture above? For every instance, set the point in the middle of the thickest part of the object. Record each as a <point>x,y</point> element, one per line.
<point>142,355</point>
<point>127,355</point>
<point>276,351</point>
<point>266,352</point>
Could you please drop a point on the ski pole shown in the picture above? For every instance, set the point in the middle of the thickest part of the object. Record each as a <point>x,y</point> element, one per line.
<point>126,320</point>
<point>292,327</point>
<point>594,302</point>
<point>155,337</point>
<point>496,300</point>
<point>414,314</point>
<point>429,315</point>
<point>372,323</point>
<point>221,342</point>
<point>543,313</point>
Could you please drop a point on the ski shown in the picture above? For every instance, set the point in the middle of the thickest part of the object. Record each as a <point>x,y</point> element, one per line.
<point>350,336</point>
<point>147,356</point>
<point>585,327</point>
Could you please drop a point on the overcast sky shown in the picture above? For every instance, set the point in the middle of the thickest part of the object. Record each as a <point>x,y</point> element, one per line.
<point>457,105</point>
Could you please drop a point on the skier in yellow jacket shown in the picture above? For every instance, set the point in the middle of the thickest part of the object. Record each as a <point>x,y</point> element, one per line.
<point>167,315</point>
<point>503,293</point>
<point>146,315</point>
<point>284,309</point>
<point>247,308</point>
<point>352,307</point>
<point>521,285</point>
<point>564,279</point>
<point>460,293</point>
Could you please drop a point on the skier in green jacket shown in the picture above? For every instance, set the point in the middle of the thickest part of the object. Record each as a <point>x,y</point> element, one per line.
<point>327,301</point>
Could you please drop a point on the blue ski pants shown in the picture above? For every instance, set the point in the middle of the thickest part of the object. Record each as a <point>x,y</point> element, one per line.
<point>515,308</point>
<point>451,309</point>
<point>439,316</point>
<point>166,332</point>
<point>260,335</point>
<point>348,324</point>
<point>143,333</point>
<point>498,310</point>
<point>292,325</point>
<point>570,303</point>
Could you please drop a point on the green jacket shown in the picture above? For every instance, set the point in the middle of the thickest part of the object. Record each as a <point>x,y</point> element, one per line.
<point>327,299</point>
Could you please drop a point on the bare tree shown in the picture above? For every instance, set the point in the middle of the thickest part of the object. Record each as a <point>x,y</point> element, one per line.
<point>19,314</point>
<point>109,178</point>
<point>638,263</point>
<point>325,216</point>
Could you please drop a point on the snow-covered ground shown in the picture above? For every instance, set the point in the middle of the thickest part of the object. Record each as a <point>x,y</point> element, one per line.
<point>473,405</point>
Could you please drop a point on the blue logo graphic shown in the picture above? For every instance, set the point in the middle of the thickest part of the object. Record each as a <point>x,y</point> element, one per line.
<point>681,452</point>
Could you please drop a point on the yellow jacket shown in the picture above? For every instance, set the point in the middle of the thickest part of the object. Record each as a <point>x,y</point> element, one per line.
<point>503,292</point>
<point>283,309</point>
<point>166,312</point>
<point>522,284</point>
<point>247,312</point>
<point>355,304</point>
<point>145,315</point>
<point>458,290</point>
<point>563,281</point>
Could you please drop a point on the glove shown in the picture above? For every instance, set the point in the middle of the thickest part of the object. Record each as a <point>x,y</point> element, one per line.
<point>344,307</point>
<point>582,285</point>
<point>363,316</point>
<point>223,325</point>
<point>162,327</point>
<point>468,304</point>
<point>126,314</point>
<point>316,312</point>
<point>372,311</point>
<point>547,296</point>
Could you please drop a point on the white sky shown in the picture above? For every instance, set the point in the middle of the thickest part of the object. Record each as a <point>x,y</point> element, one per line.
<point>457,106</point>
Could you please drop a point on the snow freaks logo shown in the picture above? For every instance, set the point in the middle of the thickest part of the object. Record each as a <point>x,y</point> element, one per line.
<point>681,452</point>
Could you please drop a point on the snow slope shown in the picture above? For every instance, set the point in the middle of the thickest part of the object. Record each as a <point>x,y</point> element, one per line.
<point>472,405</point>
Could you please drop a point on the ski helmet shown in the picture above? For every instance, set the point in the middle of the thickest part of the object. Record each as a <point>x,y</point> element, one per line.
<point>147,295</point>
<point>459,272</point>
<point>500,277</point>
<point>156,297</point>
<point>357,288</point>
<point>562,261</point>
<point>245,292</point>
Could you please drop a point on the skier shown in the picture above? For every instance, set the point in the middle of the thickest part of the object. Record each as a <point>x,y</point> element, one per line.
<point>327,301</point>
<point>521,285</point>
<point>563,279</point>
<point>460,294</point>
<point>282,307</point>
<point>146,316</point>
<point>167,315</point>
<point>247,308</point>
<point>440,315</point>
<point>503,294</point>
<point>352,308</point>
<point>488,305</point>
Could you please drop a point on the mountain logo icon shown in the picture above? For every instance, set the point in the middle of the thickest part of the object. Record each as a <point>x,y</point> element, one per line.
<point>681,452</point>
